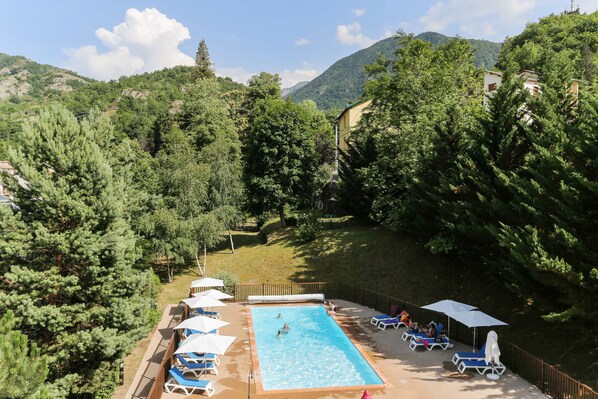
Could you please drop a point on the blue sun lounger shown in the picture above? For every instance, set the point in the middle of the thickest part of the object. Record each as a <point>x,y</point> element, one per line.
<point>460,356</point>
<point>429,343</point>
<point>377,319</point>
<point>480,366</point>
<point>202,312</point>
<point>187,385</point>
<point>196,368</point>
<point>395,322</point>
<point>204,357</point>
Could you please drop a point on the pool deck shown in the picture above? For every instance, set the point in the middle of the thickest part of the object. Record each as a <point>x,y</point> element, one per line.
<point>410,375</point>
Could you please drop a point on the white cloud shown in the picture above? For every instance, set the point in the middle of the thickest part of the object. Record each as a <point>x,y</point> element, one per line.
<point>146,41</point>
<point>476,17</point>
<point>302,42</point>
<point>238,74</point>
<point>288,77</point>
<point>351,34</point>
<point>359,11</point>
<point>291,78</point>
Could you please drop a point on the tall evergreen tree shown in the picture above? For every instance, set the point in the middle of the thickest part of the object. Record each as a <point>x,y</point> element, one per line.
<point>71,279</point>
<point>24,369</point>
<point>203,69</point>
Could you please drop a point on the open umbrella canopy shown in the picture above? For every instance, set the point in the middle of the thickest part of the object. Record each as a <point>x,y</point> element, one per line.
<point>477,318</point>
<point>214,294</point>
<point>201,323</point>
<point>203,302</point>
<point>206,343</point>
<point>448,307</point>
<point>207,282</point>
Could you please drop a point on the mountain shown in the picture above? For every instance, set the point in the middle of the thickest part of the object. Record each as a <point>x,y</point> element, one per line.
<point>22,79</point>
<point>341,84</point>
<point>292,89</point>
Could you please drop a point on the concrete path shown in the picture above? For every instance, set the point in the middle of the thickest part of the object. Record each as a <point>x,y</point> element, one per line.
<point>150,364</point>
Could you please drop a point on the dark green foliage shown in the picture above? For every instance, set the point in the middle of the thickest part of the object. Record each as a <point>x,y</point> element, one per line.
<point>23,369</point>
<point>342,83</point>
<point>574,34</point>
<point>203,68</point>
<point>308,226</point>
<point>281,162</point>
<point>229,279</point>
<point>71,279</point>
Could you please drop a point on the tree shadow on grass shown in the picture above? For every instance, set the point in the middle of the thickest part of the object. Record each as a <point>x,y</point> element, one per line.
<point>240,239</point>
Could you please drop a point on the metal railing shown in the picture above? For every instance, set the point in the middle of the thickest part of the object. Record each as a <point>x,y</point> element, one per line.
<point>547,378</point>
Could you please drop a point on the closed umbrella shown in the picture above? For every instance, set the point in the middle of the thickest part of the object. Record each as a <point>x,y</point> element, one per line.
<point>207,282</point>
<point>206,343</point>
<point>492,353</point>
<point>214,294</point>
<point>201,323</point>
<point>449,307</point>
<point>477,318</point>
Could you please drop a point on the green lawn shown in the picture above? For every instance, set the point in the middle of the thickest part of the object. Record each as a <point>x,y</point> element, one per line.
<point>393,264</point>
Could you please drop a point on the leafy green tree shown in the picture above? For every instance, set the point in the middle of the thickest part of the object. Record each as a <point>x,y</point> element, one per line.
<point>205,115</point>
<point>24,369</point>
<point>203,68</point>
<point>71,279</point>
<point>552,238</point>
<point>280,157</point>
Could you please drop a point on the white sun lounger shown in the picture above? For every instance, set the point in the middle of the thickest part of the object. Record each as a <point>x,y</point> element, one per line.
<point>431,343</point>
<point>480,366</point>
<point>187,385</point>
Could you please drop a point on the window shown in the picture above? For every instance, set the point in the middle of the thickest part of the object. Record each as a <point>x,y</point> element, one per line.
<point>491,87</point>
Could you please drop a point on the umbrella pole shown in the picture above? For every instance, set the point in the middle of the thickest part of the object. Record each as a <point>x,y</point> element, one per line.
<point>474,339</point>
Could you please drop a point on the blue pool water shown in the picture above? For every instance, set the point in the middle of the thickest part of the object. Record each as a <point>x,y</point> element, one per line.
<point>315,353</point>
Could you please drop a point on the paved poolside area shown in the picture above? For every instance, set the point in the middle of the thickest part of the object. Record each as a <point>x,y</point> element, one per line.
<point>411,375</point>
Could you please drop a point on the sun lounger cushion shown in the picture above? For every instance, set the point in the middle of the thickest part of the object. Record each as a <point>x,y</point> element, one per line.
<point>460,356</point>
<point>179,381</point>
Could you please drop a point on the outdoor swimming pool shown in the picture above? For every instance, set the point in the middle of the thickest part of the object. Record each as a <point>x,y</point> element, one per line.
<point>315,353</point>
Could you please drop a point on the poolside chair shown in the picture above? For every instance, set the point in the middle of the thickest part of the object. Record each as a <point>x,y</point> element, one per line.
<point>395,322</point>
<point>411,335</point>
<point>480,366</point>
<point>394,309</point>
<point>196,368</point>
<point>202,312</point>
<point>188,332</point>
<point>429,343</point>
<point>179,381</point>
<point>202,357</point>
<point>460,356</point>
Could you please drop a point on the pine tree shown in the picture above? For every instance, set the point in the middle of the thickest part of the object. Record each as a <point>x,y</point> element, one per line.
<point>71,279</point>
<point>23,369</point>
<point>204,69</point>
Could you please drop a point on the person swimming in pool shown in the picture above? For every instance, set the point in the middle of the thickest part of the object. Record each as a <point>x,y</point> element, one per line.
<point>279,316</point>
<point>279,334</point>
<point>285,328</point>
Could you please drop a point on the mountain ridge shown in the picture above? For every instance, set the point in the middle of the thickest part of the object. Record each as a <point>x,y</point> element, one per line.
<point>342,82</point>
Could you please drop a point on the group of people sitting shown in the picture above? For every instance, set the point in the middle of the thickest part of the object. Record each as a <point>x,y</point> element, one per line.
<point>429,329</point>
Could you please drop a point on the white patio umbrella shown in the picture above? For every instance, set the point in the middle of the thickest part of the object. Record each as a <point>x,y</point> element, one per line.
<point>203,302</point>
<point>206,343</point>
<point>492,354</point>
<point>449,307</point>
<point>207,282</point>
<point>201,323</point>
<point>477,318</point>
<point>213,294</point>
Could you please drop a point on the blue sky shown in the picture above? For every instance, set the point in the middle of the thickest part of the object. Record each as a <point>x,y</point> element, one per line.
<point>296,39</point>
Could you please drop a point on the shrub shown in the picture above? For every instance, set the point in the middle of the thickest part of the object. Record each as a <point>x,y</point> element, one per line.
<point>308,227</point>
<point>230,280</point>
